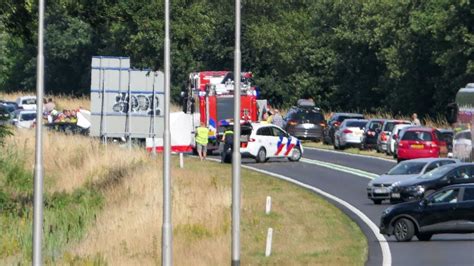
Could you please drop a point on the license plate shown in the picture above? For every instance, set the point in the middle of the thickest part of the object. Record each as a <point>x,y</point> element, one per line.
<point>308,126</point>
<point>417,146</point>
<point>395,195</point>
<point>380,190</point>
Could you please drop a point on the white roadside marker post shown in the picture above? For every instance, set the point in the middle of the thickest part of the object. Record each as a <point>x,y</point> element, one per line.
<point>181,160</point>
<point>268,249</point>
<point>268,206</point>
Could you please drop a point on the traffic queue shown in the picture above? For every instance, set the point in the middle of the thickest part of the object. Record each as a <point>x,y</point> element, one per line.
<point>431,192</point>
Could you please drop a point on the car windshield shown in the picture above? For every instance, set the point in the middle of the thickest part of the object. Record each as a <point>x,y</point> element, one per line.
<point>344,117</point>
<point>417,135</point>
<point>390,125</point>
<point>438,172</point>
<point>359,124</point>
<point>407,168</point>
<point>29,101</point>
<point>308,115</point>
<point>376,124</point>
<point>28,117</point>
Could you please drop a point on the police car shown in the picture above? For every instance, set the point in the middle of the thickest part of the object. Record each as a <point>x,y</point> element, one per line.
<point>265,141</point>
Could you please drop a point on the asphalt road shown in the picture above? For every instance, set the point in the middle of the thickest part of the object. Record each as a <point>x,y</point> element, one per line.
<point>441,250</point>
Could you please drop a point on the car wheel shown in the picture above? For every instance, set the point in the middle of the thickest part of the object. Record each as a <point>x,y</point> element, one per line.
<point>424,237</point>
<point>261,155</point>
<point>377,201</point>
<point>404,230</point>
<point>295,155</point>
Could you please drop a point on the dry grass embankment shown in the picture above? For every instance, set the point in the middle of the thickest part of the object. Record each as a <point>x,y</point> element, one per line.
<point>126,227</point>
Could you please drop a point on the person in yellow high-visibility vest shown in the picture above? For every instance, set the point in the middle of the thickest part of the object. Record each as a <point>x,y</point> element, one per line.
<point>202,138</point>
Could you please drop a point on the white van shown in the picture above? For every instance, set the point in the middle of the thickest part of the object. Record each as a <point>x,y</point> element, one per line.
<point>26,102</point>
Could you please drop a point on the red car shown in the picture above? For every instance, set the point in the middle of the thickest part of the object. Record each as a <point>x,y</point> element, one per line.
<point>421,142</point>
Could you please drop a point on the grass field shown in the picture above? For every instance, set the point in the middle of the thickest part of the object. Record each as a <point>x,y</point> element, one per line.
<point>103,207</point>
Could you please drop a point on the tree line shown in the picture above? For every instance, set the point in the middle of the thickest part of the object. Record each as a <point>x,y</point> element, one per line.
<point>397,56</point>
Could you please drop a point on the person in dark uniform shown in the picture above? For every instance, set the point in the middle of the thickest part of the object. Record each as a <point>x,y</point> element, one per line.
<point>228,139</point>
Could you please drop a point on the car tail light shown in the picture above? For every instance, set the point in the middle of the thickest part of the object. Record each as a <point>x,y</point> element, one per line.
<point>337,123</point>
<point>400,144</point>
<point>347,131</point>
<point>292,123</point>
<point>243,144</point>
<point>322,124</point>
<point>433,145</point>
<point>251,140</point>
<point>383,136</point>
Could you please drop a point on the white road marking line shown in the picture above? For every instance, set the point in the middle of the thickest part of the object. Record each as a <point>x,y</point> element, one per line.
<point>350,154</point>
<point>341,168</point>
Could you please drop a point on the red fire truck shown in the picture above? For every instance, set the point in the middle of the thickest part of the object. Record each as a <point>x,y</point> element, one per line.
<point>211,94</point>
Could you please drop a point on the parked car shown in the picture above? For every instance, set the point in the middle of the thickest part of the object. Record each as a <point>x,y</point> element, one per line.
<point>333,124</point>
<point>415,189</point>
<point>24,118</point>
<point>13,106</point>
<point>349,133</point>
<point>379,188</point>
<point>446,211</point>
<point>305,122</point>
<point>385,132</point>
<point>26,102</point>
<point>371,132</point>
<point>462,145</point>
<point>392,139</point>
<point>266,141</point>
<point>421,142</point>
<point>4,115</point>
<point>448,136</point>
<point>397,141</point>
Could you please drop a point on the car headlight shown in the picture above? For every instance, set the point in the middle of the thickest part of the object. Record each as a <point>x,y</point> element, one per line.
<point>387,211</point>
<point>394,185</point>
<point>417,189</point>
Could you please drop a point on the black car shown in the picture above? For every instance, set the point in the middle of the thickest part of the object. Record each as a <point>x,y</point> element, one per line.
<point>416,188</point>
<point>371,132</point>
<point>447,135</point>
<point>449,210</point>
<point>333,124</point>
<point>305,122</point>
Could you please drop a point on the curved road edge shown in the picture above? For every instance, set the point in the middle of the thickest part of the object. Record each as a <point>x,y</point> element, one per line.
<point>386,254</point>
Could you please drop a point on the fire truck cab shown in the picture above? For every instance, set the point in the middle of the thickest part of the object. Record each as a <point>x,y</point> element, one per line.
<point>211,94</point>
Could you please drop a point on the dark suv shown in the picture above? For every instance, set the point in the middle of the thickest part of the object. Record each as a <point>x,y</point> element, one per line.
<point>333,124</point>
<point>371,132</point>
<point>416,188</point>
<point>305,123</point>
<point>446,211</point>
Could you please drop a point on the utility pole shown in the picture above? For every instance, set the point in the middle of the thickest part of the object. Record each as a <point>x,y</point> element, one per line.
<point>38,182</point>
<point>167,228</point>
<point>236,148</point>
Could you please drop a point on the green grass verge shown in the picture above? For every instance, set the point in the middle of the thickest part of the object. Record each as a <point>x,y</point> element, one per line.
<point>307,229</point>
<point>66,215</point>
